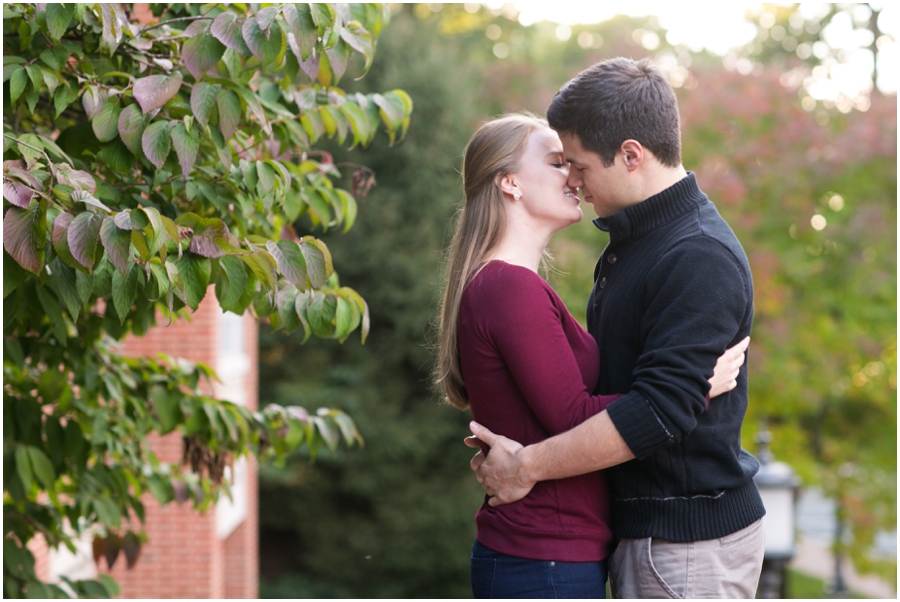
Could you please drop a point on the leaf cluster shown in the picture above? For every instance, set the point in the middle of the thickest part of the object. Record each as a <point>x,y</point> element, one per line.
<point>105,228</point>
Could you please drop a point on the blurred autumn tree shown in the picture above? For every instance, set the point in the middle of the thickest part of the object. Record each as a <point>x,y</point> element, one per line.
<point>809,189</point>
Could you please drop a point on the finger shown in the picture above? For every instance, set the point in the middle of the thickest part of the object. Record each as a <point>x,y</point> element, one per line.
<point>476,461</point>
<point>472,442</point>
<point>482,433</point>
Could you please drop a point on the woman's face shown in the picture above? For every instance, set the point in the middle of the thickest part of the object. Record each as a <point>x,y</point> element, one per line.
<point>542,180</point>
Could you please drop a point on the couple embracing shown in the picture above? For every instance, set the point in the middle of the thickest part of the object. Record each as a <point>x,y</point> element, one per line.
<point>614,451</point>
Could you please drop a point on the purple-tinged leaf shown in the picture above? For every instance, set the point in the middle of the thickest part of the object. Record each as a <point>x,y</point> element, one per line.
<point>201,53</point>
<point>338,57</point>
<point>77,179</point>
<point>25,235</point>
<point>227,29</point>
<point>211,238</point>
<point>196,27</point>
<point>203,99</point>
<point>117,243</point>
<point>131,546</point>
<point>83,196</point>
<point>229,112</point>
<point>131,126</point>
<point>19,185</point>
<point>311,66</point>
<point>83,236</point>
<point>256,108</point>
<point>111,33</point>
<point>265,17</point>
<point>59,238</point>
<point>186,146</point>
<point>93,100</point>
<point>17,193</point>
<point>106,122</point>
<point>155,91</point>
<point>290,260</point>
<point>300,24</point>
<point>156,142</point>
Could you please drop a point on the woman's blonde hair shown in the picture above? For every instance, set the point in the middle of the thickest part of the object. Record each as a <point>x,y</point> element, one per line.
<point>494,151</point>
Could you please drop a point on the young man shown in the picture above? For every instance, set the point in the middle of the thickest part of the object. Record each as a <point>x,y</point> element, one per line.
<point>672,291</point>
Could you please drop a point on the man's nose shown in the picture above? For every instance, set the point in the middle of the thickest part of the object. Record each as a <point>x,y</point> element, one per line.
<point>574,181</point>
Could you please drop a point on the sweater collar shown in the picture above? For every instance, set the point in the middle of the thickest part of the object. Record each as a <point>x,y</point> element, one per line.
<point>649,214</point>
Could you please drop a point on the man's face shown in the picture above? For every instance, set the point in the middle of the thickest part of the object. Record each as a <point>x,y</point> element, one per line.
<point>601,186</point>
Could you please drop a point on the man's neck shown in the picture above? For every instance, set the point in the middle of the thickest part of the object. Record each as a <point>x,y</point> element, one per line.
<point>659,178</point>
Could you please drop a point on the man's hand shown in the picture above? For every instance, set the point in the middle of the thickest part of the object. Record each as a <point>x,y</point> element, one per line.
<point>501,471</point>
<point>728,366</point>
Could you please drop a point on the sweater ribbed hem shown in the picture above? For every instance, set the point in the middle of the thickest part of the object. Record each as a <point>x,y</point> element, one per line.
<point>507,538</point>
<point>684,519</point>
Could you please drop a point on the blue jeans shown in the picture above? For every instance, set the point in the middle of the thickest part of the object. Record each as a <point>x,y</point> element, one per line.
<point>496,575</point>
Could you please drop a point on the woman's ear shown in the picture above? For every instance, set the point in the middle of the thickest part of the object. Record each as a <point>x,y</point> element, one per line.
<point>508,186</point>
<point>632,153</point>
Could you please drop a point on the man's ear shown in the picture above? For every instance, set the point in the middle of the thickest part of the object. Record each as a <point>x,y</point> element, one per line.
<point>632,153</point>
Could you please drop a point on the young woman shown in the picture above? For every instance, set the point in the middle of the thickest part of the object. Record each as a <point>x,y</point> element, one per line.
<point>511,351</point>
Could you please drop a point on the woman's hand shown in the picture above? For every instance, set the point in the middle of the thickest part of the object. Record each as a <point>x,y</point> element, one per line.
<point>724,378</point>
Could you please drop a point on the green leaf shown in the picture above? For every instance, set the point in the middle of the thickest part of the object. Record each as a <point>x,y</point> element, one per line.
<point>167,407</point>
<point>83,236</point>
<point>107,511</point>
<point>320,314</point>
<point>195,271</point>
<point>23,467</point>
<point>344,319</point>
<point>256,108</point>
<point>229,112</point>
<point>93,100</point>
<point>186,144</point>
<point>42,467</point>
<point>318,260</point>
<point>131,125</point>
<point>106,123</point>
<point>156,90</point>
<point>117,156</point>
<point>13,274</point>
<point>290,260</point>
<point>201,53</point>
<point>231,282</point>
<point>227,29</point>
<point>117,244</point>
<point>203,99</point>
<point>17,84</point>
<point>112,588</point>
<point>267,48</point>
<point>156,142</point>
<point>30,155</point>
<point>25,235</point>
<point>63,98</point>
<point>77,179</point>
<point>83,196</point>
<point>263,266</point>
<point>285,302</point>
<point>338,58</point>
<point>322,15</point>
<point>266,177</point>
<point>349,208</point>
<point>65,286</point>
<point>301,26</point>
<point>124,291</point>
<point>35,75</point>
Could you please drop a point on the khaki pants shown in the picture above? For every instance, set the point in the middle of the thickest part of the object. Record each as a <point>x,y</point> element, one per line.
<point>727,567</point>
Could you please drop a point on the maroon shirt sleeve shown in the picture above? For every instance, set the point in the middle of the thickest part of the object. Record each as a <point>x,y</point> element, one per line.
<point>526,325</point>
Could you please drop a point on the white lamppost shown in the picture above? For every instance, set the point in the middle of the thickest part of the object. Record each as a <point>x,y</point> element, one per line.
<point>779,487</point>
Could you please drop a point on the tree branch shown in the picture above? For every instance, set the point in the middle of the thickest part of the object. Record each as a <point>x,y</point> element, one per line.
<point>174,21</point>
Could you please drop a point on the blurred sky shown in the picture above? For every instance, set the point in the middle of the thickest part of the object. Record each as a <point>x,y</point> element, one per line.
<point>721,26</point>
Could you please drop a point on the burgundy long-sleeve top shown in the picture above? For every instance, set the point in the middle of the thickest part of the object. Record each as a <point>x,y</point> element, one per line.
<point>529,369</point>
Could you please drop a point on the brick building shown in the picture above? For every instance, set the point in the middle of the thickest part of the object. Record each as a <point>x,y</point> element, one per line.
<point>189,555</point>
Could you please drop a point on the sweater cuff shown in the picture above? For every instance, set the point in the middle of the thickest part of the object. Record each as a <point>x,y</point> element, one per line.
<point>638,424</point>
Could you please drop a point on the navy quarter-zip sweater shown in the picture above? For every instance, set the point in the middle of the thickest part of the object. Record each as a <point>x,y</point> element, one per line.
<point>672,291</point>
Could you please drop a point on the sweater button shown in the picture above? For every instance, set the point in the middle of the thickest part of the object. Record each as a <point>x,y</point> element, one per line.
<point>613,258</point>
<point>603,282</point>
<point>552,563</point>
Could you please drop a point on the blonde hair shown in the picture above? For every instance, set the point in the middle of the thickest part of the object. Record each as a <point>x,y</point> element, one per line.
<point>494,151</point>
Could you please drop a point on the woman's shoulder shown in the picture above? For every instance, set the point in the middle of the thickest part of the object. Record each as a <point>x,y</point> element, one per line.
<point>500,281</point>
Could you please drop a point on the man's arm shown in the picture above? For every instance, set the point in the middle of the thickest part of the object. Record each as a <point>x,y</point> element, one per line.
<point>510,470</point>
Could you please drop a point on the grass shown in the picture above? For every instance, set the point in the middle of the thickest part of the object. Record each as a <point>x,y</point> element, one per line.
<point>803,586</point>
